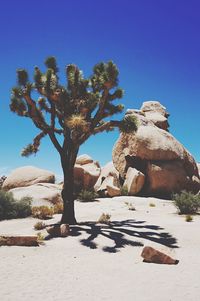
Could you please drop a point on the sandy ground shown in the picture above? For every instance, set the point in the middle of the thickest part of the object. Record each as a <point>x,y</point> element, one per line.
<point>104,262</point>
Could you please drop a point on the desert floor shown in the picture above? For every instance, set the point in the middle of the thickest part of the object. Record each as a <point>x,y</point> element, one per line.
<point>100,262</point>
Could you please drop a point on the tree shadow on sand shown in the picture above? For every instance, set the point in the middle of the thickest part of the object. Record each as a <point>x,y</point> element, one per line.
<point>122,233</point>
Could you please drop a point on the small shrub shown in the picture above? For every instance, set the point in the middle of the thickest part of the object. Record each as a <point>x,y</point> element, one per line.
<point>104,218</point>
<point>23,207</point>
<point>124,190</point>
<point>87,196</point>
<point>129,124</point>
<point>12,208</point>
<point>42,212</point>
<point>188,218</point>
<point>152,205</point>
<point>130,206</point>
<point>58,208</point>
<point>39,226</point>
<point>186,202</point>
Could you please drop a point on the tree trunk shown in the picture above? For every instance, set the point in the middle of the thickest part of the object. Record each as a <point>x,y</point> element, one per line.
<point>68,160</point>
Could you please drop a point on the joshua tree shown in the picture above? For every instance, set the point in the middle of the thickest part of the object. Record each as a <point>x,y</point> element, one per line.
<point>74,112</point>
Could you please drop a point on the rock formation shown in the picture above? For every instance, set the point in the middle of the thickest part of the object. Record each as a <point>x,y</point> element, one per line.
<point>108,181</point>
<point>156,113</point>
<point>167,166</point>
<point>42,194</point>
<point>86,172</point>
<point>26,176</point>
<point>84,159</point>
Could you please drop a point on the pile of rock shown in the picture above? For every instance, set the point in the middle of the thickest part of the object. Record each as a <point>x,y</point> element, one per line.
<point>151,161</point>
<point>39,184</point>
<point>86,172</point>
<point>108,182</point>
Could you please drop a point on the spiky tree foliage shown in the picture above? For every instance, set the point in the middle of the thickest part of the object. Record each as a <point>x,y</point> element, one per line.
<point>75,112</point>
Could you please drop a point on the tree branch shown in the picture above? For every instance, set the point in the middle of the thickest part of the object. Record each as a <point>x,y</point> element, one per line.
<point>55,141</point>
<point>34,147</point>
<point>35,114</point>
<point>107,126</point>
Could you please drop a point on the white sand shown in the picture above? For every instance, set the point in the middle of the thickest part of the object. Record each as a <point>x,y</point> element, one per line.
<point>66,269</point>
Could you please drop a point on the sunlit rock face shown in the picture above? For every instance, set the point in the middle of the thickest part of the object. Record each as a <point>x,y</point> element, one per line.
<point>86,172</point>
<point>41,194</point>
<point>26,176</point>
<point>167,166</point>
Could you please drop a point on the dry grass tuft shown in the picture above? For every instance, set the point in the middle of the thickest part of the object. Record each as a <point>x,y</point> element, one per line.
<point>104,218</point>
<point>42,212</point>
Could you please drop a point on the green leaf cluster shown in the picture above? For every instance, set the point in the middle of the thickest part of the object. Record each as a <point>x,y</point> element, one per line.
<point>77,110</point>
<point>186,202</point>
<point>128,124</point>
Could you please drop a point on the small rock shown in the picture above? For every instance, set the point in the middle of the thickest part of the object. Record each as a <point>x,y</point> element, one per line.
<point>58,230</point>
<point>152,255</point>
<point>113,190</point>
<point>111,186</point>
<point>64,230</point>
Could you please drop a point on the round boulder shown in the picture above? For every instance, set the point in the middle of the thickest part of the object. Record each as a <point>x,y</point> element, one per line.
<point>26,176</point>
<point>86,175</point>
<point>84,159</point>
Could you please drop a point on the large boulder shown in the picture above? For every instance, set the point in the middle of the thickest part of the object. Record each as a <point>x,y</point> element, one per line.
<point>166,177</point>
<point>134,181</point>
<point>26,176</point>
<point>84,159</point>
<point>42,194</point>
<point>156,113</point>
<point>86,172</point>
<point>91,172</point>
<point>168,167</point>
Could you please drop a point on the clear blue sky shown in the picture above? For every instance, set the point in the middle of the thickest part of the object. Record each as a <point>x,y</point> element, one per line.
<point>155,43</point>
